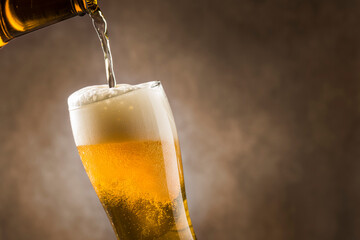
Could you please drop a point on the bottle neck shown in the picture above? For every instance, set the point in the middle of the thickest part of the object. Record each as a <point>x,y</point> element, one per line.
<point>18,17</point>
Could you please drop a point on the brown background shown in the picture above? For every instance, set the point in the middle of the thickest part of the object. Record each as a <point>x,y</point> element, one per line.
<point>266,100</point>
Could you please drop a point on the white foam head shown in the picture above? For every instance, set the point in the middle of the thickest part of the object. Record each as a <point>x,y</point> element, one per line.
<point>91,94</point>
<point>100,114</point>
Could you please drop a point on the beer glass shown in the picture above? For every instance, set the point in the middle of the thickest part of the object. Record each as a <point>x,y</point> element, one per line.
<point>127,141</point>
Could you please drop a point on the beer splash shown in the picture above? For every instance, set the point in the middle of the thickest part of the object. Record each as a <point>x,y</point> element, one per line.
<point>100,26</point>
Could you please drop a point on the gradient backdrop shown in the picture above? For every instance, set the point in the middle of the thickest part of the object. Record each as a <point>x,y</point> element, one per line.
<point>265,96</point>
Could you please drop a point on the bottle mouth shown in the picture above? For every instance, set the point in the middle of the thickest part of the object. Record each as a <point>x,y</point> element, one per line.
<point>85,6</point>
<point>91,6</point>
<point>94,94</point>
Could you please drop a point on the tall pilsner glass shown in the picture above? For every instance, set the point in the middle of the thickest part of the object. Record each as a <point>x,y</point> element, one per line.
<point>127,141</point>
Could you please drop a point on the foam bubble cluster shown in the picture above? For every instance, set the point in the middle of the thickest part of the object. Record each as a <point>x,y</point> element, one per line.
<point>97,93</point>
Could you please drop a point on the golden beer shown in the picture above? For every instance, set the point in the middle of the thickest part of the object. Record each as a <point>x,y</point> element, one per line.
<point>128,144</point>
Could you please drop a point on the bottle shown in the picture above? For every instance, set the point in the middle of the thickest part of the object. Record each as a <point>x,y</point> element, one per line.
<point>18,17</point>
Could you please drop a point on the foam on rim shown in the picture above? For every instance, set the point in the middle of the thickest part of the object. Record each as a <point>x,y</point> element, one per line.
<point>97,93</point>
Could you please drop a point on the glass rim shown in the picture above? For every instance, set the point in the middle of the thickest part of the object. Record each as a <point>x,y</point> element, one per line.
<point>151,84</point>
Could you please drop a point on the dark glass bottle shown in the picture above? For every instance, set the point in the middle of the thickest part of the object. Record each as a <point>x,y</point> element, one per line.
<point>18,17</point>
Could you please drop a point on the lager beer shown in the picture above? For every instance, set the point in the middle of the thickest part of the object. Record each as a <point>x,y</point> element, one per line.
<point>127,141</point>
